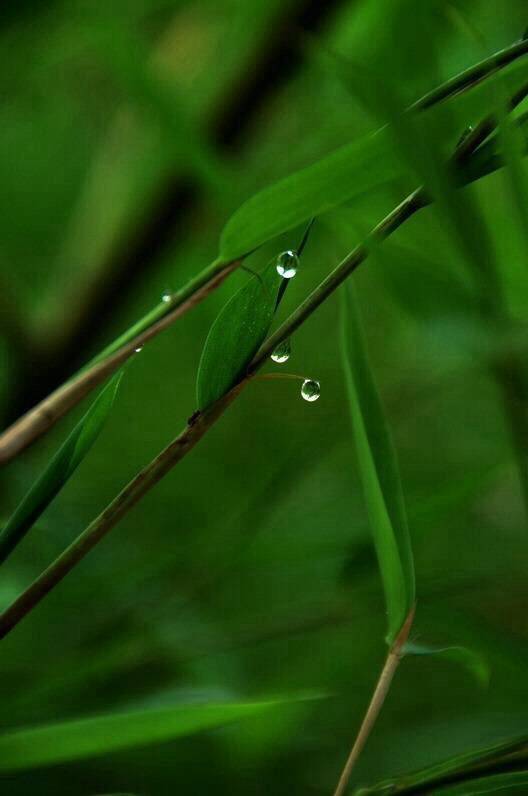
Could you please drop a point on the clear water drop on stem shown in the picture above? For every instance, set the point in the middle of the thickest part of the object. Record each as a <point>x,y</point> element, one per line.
<point>282,352</point>
<point>287,264</point>
<point>166,297</point>
<point>310,390</point>
<point>138,349</point>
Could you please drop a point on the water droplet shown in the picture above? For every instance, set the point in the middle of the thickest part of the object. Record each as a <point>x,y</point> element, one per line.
<point>310,390</point>
<point>138,349</point>
<point>166,297</point>
<point>282,352</point>
<point>287,264</point>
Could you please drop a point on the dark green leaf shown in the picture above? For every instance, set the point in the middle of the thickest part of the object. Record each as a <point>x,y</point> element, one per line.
<point>236,335</point>
<point>59,470</point>
<point>499,783</point>
<point>379,470</point>
<point>430,779</point>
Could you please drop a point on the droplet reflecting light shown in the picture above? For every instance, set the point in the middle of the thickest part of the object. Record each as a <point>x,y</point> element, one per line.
<point>310,390</point>
<point>287,264</point>
<point>282,352</point>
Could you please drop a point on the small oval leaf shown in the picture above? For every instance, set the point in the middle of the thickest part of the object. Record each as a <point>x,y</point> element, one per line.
<point>236,335</point>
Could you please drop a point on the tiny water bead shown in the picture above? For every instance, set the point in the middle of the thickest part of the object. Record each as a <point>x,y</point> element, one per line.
<point>166,297</point>
<point>138,349</point>
<point>310,390</point>
<point>282,352</point>
<point>287,264</point>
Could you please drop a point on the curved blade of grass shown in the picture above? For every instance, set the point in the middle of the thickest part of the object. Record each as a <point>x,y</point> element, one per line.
<point>469,764</point>
<point>236,335</point>
<point>85,738</point>
<point>499,783</point>
<point>379,470</point>
<point>61,467</point>
<point>464,656</point>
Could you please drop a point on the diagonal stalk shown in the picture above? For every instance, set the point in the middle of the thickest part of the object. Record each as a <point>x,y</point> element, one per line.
<point>200,422</point>
<point>42,417</point>
<point>376,703</point>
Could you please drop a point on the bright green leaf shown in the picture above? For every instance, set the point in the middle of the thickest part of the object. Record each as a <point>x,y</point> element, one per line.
<point>84,738</point>
<point>59,470</point>
<point>345,174</point>
<point>379,470</point>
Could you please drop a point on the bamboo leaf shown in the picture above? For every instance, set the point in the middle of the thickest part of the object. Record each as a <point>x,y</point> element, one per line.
<point>430,779</point>
<point>345,174</point>
<point>499,783</point>
<point>379,470</point>
<point>85,738</point>
<point>236,335</point>
<point>59,470</point>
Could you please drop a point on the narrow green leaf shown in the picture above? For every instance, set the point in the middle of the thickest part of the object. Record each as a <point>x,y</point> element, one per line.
<point>84,738</point>
<point>236,335</point>
<point>59,470</point>
<point>430,779</point>
<point>464,656</point>
<point>379,470</point>
<point>499,783</point>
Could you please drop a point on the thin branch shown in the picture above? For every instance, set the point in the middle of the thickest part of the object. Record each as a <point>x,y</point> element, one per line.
<point>43,416</point>
<point>470,77</point>
<point>200,422</point>
<point>376,703</point>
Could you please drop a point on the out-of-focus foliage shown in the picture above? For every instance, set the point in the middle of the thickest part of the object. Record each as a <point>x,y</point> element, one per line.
<point>130,133</point>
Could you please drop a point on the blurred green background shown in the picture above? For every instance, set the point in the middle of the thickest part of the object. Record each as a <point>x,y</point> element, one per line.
<point>129,132</point>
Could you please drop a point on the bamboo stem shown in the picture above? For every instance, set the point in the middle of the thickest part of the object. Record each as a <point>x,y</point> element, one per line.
<point>201,421</point>
<point>42,417</point>
<point>376,703</point>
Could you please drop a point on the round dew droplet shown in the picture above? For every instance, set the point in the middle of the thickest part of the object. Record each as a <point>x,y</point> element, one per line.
<point>166,297</point>
<point>282,352</point>
<point>287,264</point>
<point>310,390</point>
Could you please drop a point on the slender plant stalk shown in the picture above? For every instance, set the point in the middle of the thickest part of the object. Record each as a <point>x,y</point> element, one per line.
<point>376,703</point>
<point>470,77</point>
<point>43,416</point>
<point>196,427</point>
<point>200,422</point>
